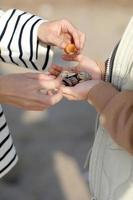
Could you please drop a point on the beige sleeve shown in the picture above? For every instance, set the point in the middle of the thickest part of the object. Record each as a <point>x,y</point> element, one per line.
<point>116,109</point>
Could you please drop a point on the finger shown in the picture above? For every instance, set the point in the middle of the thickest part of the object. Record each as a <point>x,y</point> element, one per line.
<point>60,41</point>
<point>67,36</point>
<point>61,69</point>
<point>27,104</point>
<point>66,39</point>
<point>49,92</point>
<point>40,76</point>
<point>73,32</point>
<point>43,91</point>
<point>56,98</point>
<point>75,36</point>
<point>68,97</point>
<point>52,99</point>
<point>76,58</point>
<point>67,90</point>
<point>55,70</point>
<point>82,40</point>
<point>57,67</point>
<point>36,107</point>
<point>47,72</point>
<point>49,84</point>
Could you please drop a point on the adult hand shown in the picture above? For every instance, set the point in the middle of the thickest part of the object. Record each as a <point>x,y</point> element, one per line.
<point>30,91</point>
<point>61,33</point>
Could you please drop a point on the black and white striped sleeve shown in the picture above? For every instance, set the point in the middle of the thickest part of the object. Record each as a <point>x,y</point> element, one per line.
<point>18,40</point>
<point>8,155</point>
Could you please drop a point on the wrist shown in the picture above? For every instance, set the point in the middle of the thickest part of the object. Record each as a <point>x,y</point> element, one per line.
<point>3,92</point>
<point>101,67</point>
<point>42,33</point>
<point>2,84</point>
<point>93,84</point>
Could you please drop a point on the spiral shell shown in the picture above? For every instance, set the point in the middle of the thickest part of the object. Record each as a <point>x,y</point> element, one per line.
<point>72,78</point>
<point>70,49</point>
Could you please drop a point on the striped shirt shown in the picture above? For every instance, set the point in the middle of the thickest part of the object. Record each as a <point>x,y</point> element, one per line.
<point>19,46</point>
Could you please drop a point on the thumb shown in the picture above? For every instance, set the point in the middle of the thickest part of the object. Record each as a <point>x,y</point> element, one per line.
<point>66,90</point>
<point>76,58</point>
<point>61,41</point>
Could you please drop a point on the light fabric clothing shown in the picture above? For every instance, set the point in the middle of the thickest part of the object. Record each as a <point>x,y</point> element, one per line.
<point>19,46</point>
<point>111,166</point>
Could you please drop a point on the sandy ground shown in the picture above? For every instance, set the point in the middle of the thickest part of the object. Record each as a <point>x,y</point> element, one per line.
<point>52,145</point>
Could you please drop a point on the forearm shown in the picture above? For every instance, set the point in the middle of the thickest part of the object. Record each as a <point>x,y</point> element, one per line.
<point>116,112</point>
<point>19,43</point>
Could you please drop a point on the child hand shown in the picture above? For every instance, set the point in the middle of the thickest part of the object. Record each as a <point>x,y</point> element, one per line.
<point>79,91</point>
<point>85,64</point>
<point>55,70</point>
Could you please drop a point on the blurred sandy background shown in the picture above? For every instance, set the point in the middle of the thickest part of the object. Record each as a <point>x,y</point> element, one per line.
<point>52,145</point>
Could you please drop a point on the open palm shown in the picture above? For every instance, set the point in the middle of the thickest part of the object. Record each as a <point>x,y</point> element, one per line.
<point>84,64</point>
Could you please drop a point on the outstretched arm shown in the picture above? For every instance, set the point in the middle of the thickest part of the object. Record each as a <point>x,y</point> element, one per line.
<point>115,107</point>
<point>18,39</point>
<point>25,39</point>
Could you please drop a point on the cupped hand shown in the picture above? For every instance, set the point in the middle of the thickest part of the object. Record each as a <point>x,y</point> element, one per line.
<point>55,70</point>
<point>60,33</point>
<point>84,64</point>
<point>79,91</point>
<point>30,91</point>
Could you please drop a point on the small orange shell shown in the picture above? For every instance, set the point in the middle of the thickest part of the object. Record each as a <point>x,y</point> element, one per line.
<point>70,49</point>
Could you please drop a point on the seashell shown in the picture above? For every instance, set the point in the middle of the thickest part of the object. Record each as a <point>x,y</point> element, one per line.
<point>71,49</point>
<point>84,76</point>
<point>67,82</point>
<point>72,78</point>
<point>66,74</point>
